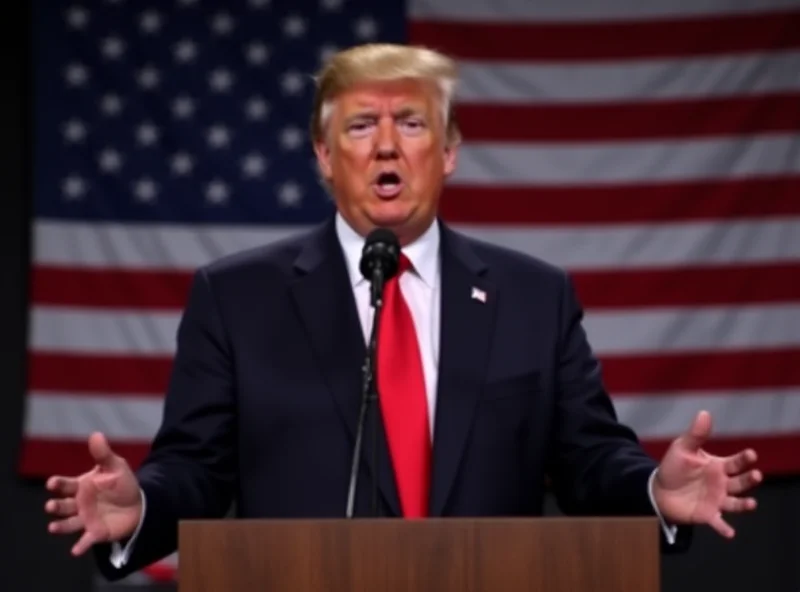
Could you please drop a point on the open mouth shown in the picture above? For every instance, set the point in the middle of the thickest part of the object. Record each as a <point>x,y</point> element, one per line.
<point>388,184</point>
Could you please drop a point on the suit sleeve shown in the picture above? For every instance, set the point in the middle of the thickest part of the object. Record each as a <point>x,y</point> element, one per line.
<point>598,466</point>
<point>189,471</point>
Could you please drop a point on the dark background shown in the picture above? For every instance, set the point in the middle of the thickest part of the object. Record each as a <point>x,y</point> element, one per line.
<point>765,556</point>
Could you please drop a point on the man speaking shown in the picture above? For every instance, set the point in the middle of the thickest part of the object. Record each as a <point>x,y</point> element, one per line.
<point>486,383</point>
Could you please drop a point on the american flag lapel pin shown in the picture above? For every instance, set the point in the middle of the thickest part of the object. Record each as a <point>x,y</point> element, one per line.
<point>478,294</point>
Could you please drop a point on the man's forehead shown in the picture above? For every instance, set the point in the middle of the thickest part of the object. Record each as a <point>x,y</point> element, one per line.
<point>389,93</point>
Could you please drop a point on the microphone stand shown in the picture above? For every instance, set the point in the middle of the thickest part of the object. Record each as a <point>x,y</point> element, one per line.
<point>369,394</point>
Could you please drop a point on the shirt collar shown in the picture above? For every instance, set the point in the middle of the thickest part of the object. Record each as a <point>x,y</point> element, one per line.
<point>423,252</point>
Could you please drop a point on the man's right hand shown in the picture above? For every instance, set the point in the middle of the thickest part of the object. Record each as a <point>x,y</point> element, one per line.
<point>104,503</point>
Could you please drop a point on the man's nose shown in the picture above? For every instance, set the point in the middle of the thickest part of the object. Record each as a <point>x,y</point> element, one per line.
<point>386,145</point>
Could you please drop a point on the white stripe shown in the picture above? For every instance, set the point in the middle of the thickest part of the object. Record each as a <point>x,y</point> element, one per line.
<point>629,162</point>
<point>643,246</point>
<point>558,10</point>
<point>673,330</point>
<point>654,330</point>
<point>65,244</point>
<point>623,81</point>
<point>750,412</point>
<point>146,246</point>
<point>89,331</point>
<point>76,416</point>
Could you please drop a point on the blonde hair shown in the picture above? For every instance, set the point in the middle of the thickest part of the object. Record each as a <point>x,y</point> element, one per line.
<point>379,62</point>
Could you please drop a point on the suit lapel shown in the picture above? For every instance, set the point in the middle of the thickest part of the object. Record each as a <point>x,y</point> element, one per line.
<point>468,302</point>
<point>324,300</point>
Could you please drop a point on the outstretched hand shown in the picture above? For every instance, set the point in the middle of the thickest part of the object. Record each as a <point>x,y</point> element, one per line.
<point>694,487</point>
<point>104,502</point>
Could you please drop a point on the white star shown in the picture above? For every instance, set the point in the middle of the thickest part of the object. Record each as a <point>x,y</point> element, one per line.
<point>258,3</point>
<point>254,165</point>
<point>366,28</point>
<point>218,136</point>
<point>256,109</point>
<point>145,190</point>
<point>290,194</point>
<point>222,23</point>
<point>147,134</point>
<point>148,77</point>
<point>221,80</point>
<point>326,52</point>
<point>257,53</point>
<point>182,164</point>
<point>217,192</point>
<point>185,51</point>
<point>331,4</point>
<point>73,187</point>
<point>74,131</point>
<point>76,74</point>
<point>292,83</point>
<point>111,104</point>
<point>183,107</point>
<point>291,138</point>
<point>294,26</point>
<point>110,160</point>
<point>150,22</point>
<point>77,17</point>
<point>113,47</point>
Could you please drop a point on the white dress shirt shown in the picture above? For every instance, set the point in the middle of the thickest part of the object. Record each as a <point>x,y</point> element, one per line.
<point>421,288</point>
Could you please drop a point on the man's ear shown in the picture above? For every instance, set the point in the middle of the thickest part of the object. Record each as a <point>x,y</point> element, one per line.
<point>450,159</point>
<point>323,154</point>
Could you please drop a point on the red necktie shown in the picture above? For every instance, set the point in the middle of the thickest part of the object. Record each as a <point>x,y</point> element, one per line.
<point>403,402</point>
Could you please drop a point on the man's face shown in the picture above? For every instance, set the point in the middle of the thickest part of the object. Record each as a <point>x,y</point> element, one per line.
<point>386,158</point>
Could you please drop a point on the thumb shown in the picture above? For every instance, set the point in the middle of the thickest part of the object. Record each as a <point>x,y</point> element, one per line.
<point>698,432</point>
<point>101,451</point>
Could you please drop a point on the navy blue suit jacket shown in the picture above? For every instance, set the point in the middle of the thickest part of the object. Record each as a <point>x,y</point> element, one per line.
<point>264,396</point>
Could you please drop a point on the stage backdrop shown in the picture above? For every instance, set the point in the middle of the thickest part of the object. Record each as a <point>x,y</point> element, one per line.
<point>651,148</point>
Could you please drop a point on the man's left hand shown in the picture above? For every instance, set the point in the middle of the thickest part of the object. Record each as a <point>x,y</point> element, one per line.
<point>694,487</point>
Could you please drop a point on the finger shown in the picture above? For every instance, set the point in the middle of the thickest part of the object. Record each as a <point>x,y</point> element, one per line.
<point>84,544</point>
<point>62,507</point>
<point>739,462</point>
<point>63,485</point>
<point>66,526</point>
<point>698,433</point>
<point>101,451</point>
<point>742,483</point>
<point>719,524</point>
<point>738,504</point>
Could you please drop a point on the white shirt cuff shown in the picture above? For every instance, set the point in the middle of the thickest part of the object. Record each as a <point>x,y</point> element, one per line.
<point>671,532</point>
<point>119,555</point>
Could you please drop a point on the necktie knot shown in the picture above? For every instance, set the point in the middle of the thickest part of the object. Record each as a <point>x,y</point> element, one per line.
<point>403,265</point>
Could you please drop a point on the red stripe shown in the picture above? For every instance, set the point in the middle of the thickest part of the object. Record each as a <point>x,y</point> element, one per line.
<point>629,121</point>
<point>663,202</point>
<point>663,38</point>
<point>630,374</point>
<point>730,371</point>
<point>43,458</point>
<point>101,288</point>
<point>109,375</point>
<point>777,455</point>
<point>691,286</point>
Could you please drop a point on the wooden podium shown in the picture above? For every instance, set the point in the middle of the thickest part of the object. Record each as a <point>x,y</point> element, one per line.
<point>435,555</point>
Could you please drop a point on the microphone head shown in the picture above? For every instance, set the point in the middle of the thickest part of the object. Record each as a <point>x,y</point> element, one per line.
<point>380,249</point>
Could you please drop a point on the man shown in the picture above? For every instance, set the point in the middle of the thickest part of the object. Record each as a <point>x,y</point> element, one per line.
<point>487,383</point>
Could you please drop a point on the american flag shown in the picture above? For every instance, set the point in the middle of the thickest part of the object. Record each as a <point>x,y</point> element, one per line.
<point>650,148</point>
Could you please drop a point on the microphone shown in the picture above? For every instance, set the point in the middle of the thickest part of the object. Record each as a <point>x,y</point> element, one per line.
<point>380,259</point>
